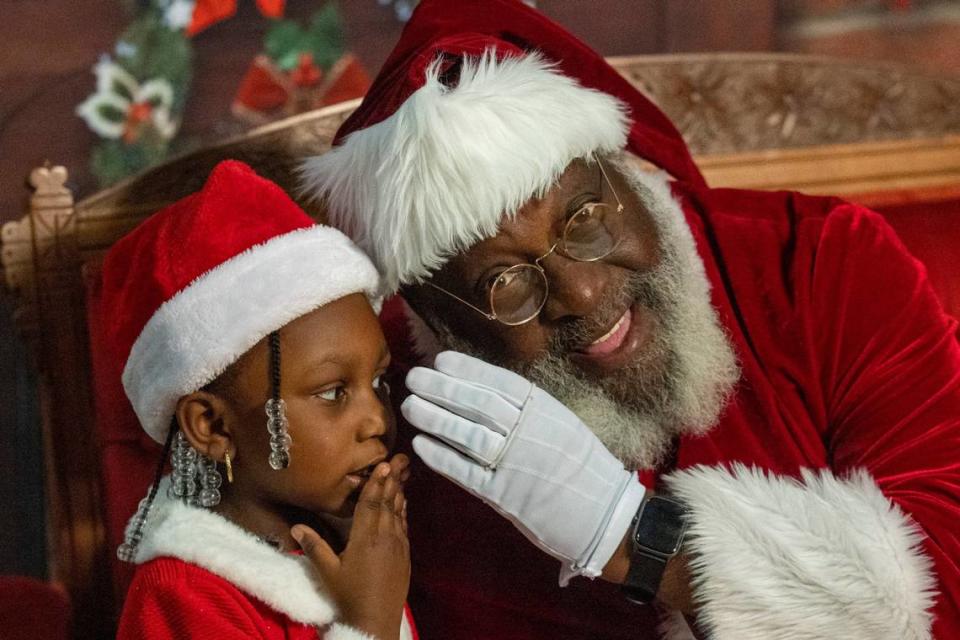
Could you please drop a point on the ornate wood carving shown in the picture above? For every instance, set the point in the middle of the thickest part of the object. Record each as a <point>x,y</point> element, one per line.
<point>732,103</point>
<point>41,259</point>
<point>42,238</point>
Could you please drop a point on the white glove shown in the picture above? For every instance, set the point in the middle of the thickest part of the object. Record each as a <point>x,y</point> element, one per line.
<point>518,449</point>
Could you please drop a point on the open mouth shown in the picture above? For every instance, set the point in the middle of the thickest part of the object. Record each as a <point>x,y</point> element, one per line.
<point>619,345</point>
<point>611,340</point>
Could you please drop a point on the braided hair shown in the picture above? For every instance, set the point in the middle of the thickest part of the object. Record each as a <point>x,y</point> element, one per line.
<point>127,551</point>
<point>274,342</point>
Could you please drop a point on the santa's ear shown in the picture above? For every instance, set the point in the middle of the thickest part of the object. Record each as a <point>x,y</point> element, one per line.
<point>204,419</point>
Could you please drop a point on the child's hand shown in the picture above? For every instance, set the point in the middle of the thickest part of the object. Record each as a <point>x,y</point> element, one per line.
<point>369,580</point>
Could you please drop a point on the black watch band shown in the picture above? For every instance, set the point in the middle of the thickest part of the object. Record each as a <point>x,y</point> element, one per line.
<point>656,536</point>
<point>643,578</point>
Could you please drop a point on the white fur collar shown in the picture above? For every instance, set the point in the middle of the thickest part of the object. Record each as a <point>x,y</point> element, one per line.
<point>284,581</point>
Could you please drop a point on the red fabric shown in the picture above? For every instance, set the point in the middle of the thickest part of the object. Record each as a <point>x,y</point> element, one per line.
<point>170,599</point>
<point>263,87</point>
<point>147,266</point>
<point>346,80</point>
<point>848,361</point>
<point>33,610</point>
<point>207,13</point>
<point>470,27</point>
<point>931,231</point>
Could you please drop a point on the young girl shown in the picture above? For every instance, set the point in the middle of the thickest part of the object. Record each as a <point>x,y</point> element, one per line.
<point>253,352</point>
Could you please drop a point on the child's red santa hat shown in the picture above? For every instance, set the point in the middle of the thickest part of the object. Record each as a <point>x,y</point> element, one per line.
<point>199,283</point>
<point>481,106</point>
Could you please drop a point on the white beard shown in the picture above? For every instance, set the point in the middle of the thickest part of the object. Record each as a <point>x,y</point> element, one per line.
<point>639,411</point>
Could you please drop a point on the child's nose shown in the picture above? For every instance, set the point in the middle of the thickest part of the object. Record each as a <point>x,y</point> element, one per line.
<point>374,423</point>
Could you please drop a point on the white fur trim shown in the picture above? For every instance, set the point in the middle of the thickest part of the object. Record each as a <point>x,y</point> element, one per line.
<point>195,335</point>
<point>285,582</point>
<point>406,626</point>
<point>343,632</point>
<point>437,176</point>
<point>778,558</point>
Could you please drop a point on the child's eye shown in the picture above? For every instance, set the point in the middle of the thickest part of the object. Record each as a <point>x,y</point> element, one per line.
<point>333,394</point>
<point>381,386</point>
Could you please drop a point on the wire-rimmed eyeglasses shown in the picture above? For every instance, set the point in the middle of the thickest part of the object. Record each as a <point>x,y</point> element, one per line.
<point>518,293</point>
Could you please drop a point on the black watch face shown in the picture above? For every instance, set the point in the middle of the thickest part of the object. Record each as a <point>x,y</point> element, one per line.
<point>661,526</point>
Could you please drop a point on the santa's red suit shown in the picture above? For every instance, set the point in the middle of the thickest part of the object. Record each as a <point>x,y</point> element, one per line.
<point>201,576</point>
<point>826,502</point>
<point>848,363</point>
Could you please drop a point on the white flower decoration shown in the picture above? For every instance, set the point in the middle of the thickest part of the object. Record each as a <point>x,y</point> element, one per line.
<point>121,106</point>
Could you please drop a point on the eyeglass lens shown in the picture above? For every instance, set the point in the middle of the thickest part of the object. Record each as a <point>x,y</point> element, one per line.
<point>518,294</point>
<point>592,233</point>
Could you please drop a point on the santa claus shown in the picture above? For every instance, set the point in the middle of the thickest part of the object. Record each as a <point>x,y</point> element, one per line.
<point>740,409</point>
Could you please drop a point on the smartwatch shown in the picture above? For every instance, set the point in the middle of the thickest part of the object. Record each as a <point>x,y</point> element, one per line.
<point>656,536</point>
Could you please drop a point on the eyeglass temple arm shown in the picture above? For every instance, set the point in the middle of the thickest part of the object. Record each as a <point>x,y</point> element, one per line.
<point>488,316</point>
<point>609,184</point>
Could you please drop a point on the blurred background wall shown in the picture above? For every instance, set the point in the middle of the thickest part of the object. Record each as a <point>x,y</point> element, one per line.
<point>49,47</point>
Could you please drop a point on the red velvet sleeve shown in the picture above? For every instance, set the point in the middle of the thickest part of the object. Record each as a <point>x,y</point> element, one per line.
<point>889,366</point>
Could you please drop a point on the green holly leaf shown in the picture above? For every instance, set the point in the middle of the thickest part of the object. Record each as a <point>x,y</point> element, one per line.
<point>284,42</point>
<point>325,34</point>
<point>113,160</point>
<point>111,112</point>
<point>121,89</point>
<point>151,50</point>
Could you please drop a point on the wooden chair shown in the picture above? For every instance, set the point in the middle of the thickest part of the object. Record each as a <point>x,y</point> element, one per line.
<point>883,135</point>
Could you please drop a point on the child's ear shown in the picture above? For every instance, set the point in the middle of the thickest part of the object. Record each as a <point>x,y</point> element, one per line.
<point>203,419</point>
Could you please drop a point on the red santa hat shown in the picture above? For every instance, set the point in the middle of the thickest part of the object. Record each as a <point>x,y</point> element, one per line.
<point>200,282</point>
<point>480,107</point>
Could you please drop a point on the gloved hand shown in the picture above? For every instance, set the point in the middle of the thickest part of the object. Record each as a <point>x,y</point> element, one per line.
<point>518,449</point>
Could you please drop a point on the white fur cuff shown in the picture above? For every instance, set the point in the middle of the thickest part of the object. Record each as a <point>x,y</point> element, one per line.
<point>776,558</point>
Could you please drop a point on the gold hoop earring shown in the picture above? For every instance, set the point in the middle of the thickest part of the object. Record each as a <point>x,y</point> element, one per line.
<point>226,460</point>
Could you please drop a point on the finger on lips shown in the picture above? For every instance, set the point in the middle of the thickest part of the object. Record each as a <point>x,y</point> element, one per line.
<point>390,488</point>
<point>366,515</point>
<point>399,464</point>
<point>373,489</point>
